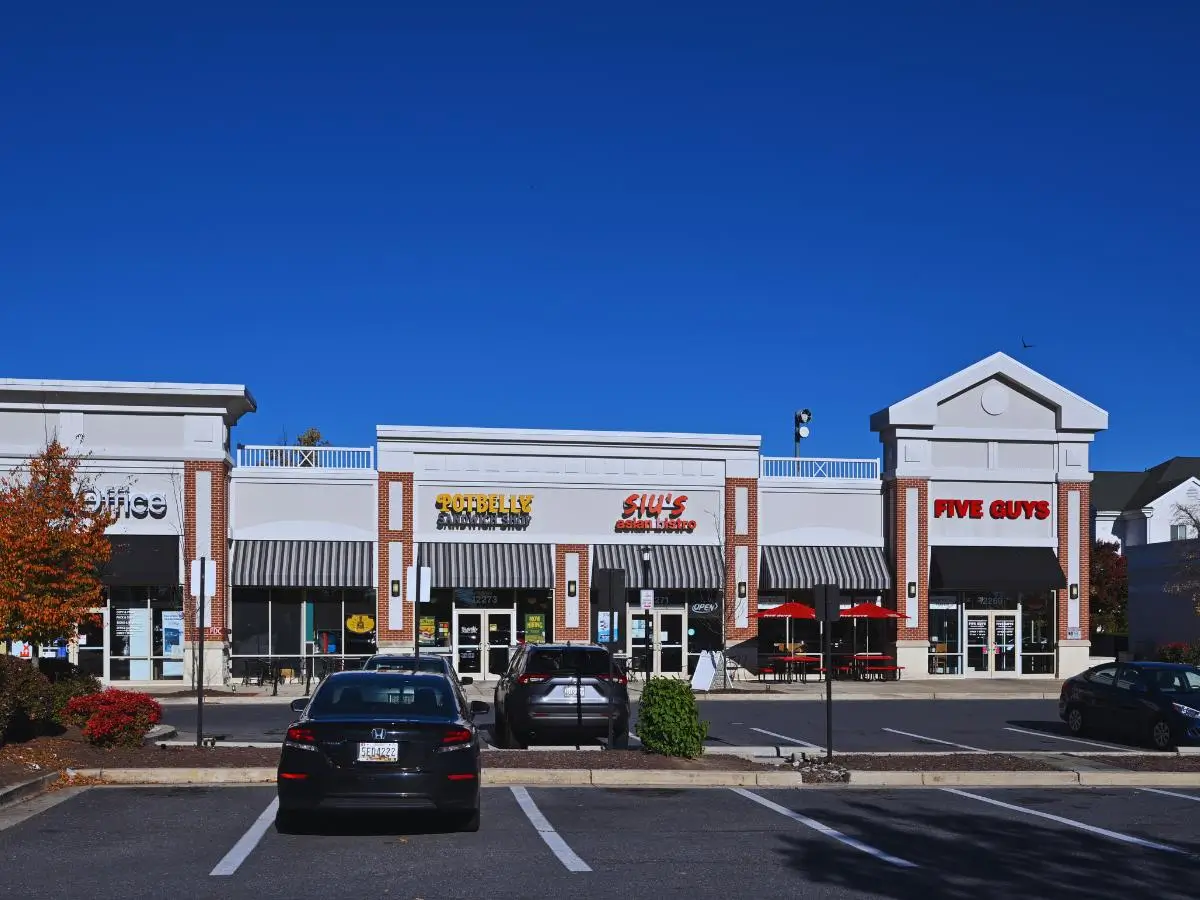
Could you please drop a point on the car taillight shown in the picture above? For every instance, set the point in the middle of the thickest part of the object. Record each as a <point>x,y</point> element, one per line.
<point>298,735</point>
<point>616,679</point>
<point>456,736</point>
<point>532,679</point>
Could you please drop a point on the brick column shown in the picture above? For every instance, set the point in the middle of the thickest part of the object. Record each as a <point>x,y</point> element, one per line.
<point>898,502</point>
<point>732,541</point>
<point>386,634</point>
<point>584,630</point>
<point>219,547</point>
<point>1084,551</point>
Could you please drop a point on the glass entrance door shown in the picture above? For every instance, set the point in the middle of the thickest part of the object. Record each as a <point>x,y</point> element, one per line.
<point>501,634</point>
<point>672,642</point>
<point>991,642</point>
<point>661,635</point>
<point>468,643</point>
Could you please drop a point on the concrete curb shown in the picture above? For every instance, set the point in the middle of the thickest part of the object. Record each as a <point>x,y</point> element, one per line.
<point>17,792</point>
<point>911,695</point>
<point>675,778</point>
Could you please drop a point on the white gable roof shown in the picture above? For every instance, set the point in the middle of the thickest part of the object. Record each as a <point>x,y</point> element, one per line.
<point>921,409</point>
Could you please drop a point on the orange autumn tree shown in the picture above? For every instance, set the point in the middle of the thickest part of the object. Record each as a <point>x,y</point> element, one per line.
<point>52,547</point>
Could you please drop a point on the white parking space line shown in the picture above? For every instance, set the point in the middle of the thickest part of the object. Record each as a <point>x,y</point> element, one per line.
<point>1172,794</point>
<point>247,842</point>
<point>1058,737</point>
<point>784,737</point>
<point>826,830</point>
<point>1062,820</point>
<point>553,839</point>
<point>922,737</point>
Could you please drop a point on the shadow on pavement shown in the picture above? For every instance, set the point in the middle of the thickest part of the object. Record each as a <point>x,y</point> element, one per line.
<point>973,857</point>
<point>366,824</point>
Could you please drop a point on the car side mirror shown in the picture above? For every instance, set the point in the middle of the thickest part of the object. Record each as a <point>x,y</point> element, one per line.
<point>478,707</point>
<point>466,679</point>
<point>299,705</point>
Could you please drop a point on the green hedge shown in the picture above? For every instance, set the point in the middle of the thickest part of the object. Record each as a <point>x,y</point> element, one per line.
<point>25,699</point>
<point>669,720</point>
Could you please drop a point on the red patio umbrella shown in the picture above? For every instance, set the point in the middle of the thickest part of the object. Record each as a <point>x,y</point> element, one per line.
<point>869,611</point>
<point>787,611</point>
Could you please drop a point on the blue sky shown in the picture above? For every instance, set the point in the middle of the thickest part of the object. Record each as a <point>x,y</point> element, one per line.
<point>651,216</point>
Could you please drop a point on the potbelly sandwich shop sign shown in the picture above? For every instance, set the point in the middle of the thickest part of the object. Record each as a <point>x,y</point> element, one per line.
<point>484,512</point>
<point>657,513</point>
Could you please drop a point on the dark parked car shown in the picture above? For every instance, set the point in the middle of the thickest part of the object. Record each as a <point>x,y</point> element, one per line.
<point>561,693</point>
<point>431,662</point>
<point>381,740</point>
<point>1145,701</point>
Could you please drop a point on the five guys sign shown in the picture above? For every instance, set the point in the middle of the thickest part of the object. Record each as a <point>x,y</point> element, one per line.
<point>997,509</point>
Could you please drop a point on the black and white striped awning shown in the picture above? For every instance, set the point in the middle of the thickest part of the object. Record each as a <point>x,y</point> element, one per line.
<point>672,566</point>
<point>330,564</point>
<point>489,565</point>
<point>851,568</point>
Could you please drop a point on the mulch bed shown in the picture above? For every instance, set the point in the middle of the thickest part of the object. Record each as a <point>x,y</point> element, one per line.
<point>208,692</point>
<point>614,759</point>
<point>1167,762</point>
<point>942,762</point>
<point>29,759</point>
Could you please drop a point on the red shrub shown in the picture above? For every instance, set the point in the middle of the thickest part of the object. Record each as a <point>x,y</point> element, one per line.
<point>114,717</point>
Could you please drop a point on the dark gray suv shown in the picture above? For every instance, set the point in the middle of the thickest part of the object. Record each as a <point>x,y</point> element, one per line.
<point>561,693</point>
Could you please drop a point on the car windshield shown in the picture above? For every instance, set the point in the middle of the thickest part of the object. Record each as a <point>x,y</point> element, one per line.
<point>1176,681</point>
<point>424,664</point>
<point>384,694</point>
<point>568,661</point>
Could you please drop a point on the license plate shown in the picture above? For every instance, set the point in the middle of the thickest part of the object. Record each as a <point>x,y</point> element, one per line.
<point>378,752</point>
<point>570,692</point>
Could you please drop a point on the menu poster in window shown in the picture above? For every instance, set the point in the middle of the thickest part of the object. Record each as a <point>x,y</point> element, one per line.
<point>977,630</point>
<point>121,631</point>
<point>427,628</point>
<point>172,636</point>
<point>603,632</point>
<point>535,628</point>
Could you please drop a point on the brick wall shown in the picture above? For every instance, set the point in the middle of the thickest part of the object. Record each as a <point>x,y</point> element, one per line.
<point>732,541</point>
<point>385,633</point>
<point>1085,556</point>
<point>898,502</point>
<point>219,502</point>
<point>561,631</point>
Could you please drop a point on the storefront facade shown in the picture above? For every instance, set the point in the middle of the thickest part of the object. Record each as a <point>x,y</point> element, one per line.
<point>513,528</point>
<point>157,455</point>
<point>986,506</point>
<point>971,536</point>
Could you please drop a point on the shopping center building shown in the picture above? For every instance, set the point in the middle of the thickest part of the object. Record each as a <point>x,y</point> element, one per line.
<point>974,530</point>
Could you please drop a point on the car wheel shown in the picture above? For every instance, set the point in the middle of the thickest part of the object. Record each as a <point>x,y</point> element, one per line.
<point>1161,737</point>
<point>1075,720</point>
<point>468,821</point>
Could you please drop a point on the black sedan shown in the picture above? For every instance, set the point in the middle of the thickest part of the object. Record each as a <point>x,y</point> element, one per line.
<point>381,741</point>
<point>1147,701</point>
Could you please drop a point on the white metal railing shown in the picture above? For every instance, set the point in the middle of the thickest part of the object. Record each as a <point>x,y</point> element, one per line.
<point>818,468</point>
<point>258,456</point>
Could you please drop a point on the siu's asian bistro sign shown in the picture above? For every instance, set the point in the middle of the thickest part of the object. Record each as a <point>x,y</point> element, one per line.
<point>657,513</point>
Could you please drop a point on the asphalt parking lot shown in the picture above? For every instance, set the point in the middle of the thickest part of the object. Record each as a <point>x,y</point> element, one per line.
<point>859,725</point>
<point>547,842</point>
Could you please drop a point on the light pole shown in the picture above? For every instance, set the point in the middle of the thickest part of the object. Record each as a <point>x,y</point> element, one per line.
<point>802,419</point>
<point>649,612</point>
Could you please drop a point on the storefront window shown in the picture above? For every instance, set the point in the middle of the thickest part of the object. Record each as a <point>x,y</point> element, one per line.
<point>535,617</point>
<point>145,633</point>
<point>436,618</point>
<point>945,619</point>
<point>289,627</point>
<point>1037,633</point>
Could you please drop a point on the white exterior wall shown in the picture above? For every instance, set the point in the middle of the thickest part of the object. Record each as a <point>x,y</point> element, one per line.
<point>820,516</point>
<point>297,505</point>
